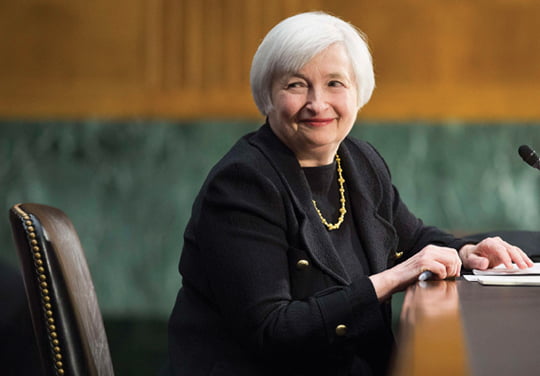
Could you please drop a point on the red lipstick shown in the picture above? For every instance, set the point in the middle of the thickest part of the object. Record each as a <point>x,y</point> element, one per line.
<point>317,122</point>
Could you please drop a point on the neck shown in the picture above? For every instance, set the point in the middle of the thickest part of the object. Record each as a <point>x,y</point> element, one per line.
<point>316,159</point>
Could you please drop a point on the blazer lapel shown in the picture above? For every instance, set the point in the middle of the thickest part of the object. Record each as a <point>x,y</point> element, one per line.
<point>377,235</point>
<point>316,238</point>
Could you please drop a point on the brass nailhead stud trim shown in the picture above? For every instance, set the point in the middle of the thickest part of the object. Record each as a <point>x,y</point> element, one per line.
<point>48,309</point>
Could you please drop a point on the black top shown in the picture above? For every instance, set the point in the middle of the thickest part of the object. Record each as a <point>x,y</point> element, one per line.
<point>323,181</point>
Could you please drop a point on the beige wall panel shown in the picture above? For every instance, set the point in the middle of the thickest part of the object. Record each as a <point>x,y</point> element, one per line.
<point>464,59</point>
<point>71,57</point>
<point>210,44</point>
<point>61,42</point>
<point>434,59</point>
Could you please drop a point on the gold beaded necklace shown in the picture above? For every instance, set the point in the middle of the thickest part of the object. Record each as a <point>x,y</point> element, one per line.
<point>342,210</point>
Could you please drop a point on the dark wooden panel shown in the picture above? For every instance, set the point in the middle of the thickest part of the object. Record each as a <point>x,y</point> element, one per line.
<point>501,328</point>
<point>464,328</point>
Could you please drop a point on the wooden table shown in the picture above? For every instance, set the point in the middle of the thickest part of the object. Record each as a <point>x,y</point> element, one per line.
<point>463,328</point>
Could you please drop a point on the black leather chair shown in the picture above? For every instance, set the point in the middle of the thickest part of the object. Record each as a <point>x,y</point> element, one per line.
<point>65,313</point>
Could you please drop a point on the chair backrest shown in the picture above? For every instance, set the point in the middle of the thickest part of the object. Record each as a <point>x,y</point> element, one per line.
<point>64,308</point>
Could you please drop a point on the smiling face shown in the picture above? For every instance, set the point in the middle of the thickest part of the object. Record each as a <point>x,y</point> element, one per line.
<point>315,108</point>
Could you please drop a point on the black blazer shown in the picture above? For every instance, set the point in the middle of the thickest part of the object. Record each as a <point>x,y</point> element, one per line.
<point>248,307</point>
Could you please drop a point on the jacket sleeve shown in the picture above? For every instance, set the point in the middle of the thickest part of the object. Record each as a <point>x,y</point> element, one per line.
<point>242,238</point>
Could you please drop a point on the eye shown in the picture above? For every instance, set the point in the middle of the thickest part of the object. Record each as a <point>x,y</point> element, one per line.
<point>296,85</point>
<point>336,83</point>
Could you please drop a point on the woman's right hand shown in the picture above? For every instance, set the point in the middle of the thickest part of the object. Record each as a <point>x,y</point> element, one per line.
<point>443,262</point>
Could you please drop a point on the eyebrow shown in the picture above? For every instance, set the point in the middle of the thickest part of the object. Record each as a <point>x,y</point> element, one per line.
<point>297,75</point>
<point>339,75</point>
<point>331,75</point>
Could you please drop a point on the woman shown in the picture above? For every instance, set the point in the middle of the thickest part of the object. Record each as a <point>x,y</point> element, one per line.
<point>298,238</point>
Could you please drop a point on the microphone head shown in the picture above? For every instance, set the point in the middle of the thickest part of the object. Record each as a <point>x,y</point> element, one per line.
<point>529,156</point>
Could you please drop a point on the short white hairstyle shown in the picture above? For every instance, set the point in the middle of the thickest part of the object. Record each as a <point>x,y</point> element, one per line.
<point>293,42</point>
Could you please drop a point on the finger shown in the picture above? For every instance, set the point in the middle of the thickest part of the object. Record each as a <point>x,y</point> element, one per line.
<point>453,269</point>
<point>505,258</point>
<point>448,267</point>
<point>519,257</point>
<point>475,261</point>
<point>457,267</point>
<point>495,250</point>
<point>452,262</point>
<point>443,262</point>
<point>528,260</point>
<point>449,257</point>
<point>439,270</point>
<point>515,254</point>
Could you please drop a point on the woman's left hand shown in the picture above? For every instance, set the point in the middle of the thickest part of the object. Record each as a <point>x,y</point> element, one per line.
<point>491,252</point>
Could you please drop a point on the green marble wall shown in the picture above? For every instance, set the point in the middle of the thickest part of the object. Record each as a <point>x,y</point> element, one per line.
<point>128,188</point>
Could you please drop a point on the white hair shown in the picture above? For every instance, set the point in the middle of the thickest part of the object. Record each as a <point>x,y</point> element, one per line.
<point>293,42</point>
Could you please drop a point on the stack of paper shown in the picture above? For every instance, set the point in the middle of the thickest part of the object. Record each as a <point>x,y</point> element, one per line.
<point>500,275</point>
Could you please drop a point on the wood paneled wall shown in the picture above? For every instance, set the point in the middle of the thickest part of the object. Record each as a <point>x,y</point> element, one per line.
<point>434,59</point>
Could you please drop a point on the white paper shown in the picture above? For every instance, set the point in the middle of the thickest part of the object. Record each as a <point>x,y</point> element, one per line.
<point>510,280</point>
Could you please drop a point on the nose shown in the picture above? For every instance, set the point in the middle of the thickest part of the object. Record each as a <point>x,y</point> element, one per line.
<point>316,99</point>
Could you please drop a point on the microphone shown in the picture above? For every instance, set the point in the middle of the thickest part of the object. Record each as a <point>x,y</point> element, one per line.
<point>529,156</point>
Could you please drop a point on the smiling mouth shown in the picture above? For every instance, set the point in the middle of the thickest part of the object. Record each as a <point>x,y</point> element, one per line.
<point>316,122</point>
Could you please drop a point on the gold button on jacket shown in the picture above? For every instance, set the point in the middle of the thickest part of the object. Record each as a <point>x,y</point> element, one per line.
<point>341,330</point>
<point>302,264</point>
